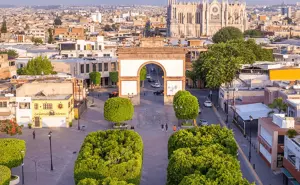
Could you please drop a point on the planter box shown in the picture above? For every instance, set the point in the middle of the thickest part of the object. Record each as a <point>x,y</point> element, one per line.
<point>16,181</point>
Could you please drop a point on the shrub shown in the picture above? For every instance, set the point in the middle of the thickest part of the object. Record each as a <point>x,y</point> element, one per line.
<point>89,181</point>
<point>186,107</point>
<point>118,110</point>
<point>227,33</point>
<point>292,133</point>
<point>95,78</point>
<point>113,153</point>
<point>4,175</point>
<point>10,152</point>
<point>203,136</point>
<point>106,181</point>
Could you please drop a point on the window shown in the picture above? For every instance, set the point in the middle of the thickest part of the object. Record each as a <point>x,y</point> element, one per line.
<point>105,66</point>
<point>47,106</point>
<point>87,66</point>
<point>36,106</point>
<point>93,47</point>
<point>106,81</point>
<point>24,105</point>
<point>84,47</point>
<point>106,55</point>
<point>280,139</point>
<point>113,66</point>
<point>100,67</point>
<point>81,68</point>
<point>3,104</point>
<point>94,67</point>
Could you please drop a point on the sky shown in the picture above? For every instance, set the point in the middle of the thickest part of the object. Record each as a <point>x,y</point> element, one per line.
<point>116,2</point>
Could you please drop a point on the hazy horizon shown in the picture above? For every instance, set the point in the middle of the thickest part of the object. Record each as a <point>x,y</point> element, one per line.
<point>122,2</point>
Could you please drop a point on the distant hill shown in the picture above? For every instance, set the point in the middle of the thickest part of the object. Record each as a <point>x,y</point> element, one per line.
<point>7,6</point>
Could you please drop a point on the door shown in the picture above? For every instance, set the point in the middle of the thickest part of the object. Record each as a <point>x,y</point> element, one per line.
<point>37,122</point>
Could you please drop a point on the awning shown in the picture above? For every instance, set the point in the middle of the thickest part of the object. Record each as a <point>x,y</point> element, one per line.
<point>287,173</point>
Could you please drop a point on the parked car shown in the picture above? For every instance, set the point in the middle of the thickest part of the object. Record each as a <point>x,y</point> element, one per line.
<point>159,93</point>
<point>113,94</point>
<point>151,80</point>
<point>199,110</point>
<point>207,103</point>
<point>203,122</point>
<point>148,76</point>
<point>155,85</point>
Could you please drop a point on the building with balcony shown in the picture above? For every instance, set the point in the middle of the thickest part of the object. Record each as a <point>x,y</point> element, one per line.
<point>271,134</point>
<point>7,67</point>
<point>291,160</point>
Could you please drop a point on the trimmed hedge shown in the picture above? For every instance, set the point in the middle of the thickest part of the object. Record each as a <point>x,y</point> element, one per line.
<point>186,107</point>
<point>204,156</point>
<point>107,181</point>
<point>95,77</point>
<point>10,152</point>
<point>4,175</point>
<point>180,93</point>
<point>112,153</point>
<point>118,110</point>
<point>205,135</point>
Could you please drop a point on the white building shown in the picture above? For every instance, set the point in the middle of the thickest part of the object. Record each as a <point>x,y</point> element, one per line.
<point>23,110</point>
<point>96,17</point>
<point>37,33</point>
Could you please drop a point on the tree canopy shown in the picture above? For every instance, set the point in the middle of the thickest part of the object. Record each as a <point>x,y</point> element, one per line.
<point>118,109</point>
<point>50,37</point>
<point>37,66</point>
<point>115,154</point>
<point>186,107</point>
<point>114,76</point>
<point>5,175</point>
<point>279,105</point>
<point>3,27</point>
<point>222,61</point>
<point>253,33</point>
<point>106,181</point>
<point>143,73</point>
<point>95,77</point>
<point>11,53</point>
<point>57,21</point>
<point>227,33</point>
<point>178,94</point>
<point>37,41</point>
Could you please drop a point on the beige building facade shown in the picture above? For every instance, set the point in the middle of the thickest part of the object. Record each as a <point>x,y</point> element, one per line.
<point>195,19</point>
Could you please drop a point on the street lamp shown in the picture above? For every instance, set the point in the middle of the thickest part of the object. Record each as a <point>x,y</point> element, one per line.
<point>251,119</point>
<point>78,115</point>
<point>49,135</point>
<point>22,155</point>
<point>227,106</point>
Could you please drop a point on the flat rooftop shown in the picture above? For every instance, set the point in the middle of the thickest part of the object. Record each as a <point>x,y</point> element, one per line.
<point>52,97</point>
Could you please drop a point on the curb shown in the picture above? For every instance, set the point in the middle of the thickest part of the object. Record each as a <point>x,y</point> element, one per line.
<point>256,177</point>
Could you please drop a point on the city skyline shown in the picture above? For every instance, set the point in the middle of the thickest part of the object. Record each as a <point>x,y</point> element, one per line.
<point>128,2</point>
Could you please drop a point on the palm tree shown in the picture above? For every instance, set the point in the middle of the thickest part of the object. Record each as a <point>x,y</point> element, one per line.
<point>279,104</point>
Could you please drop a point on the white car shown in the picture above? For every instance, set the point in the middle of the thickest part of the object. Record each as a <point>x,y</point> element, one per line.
<point>155,85</point>
<point>207,103</point>
<point>148,76</point>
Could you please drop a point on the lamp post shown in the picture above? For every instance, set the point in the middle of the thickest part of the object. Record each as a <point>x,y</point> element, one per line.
<point>251,119</point>
<point>227,106</point>
<point>22,155</point>
<point>78,126</point>
<point>49,135</point>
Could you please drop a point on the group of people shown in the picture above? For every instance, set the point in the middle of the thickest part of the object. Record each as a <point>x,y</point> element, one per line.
<point>164,127</point>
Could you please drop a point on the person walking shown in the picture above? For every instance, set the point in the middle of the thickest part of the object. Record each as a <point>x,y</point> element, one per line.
<point>174,128</point>
<point>33,134</point>
<point>167,127</point>
<point>162,127</point>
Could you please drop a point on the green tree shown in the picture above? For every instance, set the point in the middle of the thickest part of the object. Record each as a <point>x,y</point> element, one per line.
<point>3,27</point>
<point>38,66</point>
<point>289,20</point>
<point>292,133</point>
<point>186,107</point>
<point>227,33</point>
<point>50,38</point>
<point>95,77</point>
<point>180,93</point>
<point>5,175</point>
<point>253,33</point>
<point>37,41</point>
<point>260,53</point>
<point>114,76</point>
<point>10,150</point>
<point>110,156</point>
<point>192,75</point>
<point>143,75</point>
<point>57,21</point>
<point>118,110</point>
<point>11,53</point>
<point>107,28</point>
<point>279,105</point>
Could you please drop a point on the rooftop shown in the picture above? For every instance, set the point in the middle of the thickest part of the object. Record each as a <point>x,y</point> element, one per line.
<point>256,110</point>
<point>52,97</point>
<point>294,102</point>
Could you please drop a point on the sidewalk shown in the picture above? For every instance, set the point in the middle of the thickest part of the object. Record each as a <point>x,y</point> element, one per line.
<point>263,171</point>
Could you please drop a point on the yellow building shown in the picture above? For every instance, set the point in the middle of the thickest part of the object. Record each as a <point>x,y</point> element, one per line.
<point>52,110</point>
